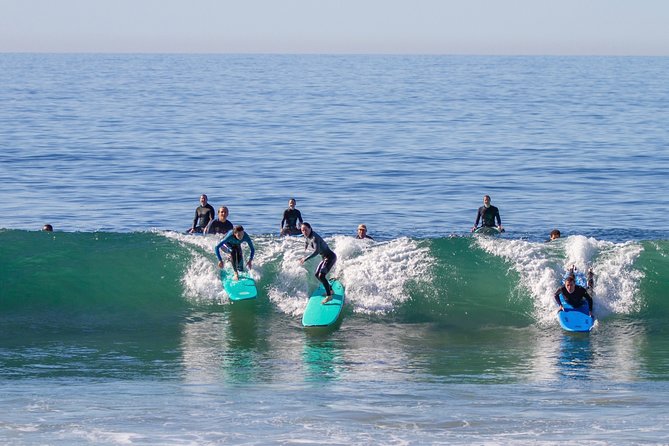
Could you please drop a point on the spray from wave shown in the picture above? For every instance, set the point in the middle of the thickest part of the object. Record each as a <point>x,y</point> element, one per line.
<point>374,274</point>
<point>540,267</point>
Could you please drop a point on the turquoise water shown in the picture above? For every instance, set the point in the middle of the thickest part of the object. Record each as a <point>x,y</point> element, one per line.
<point>115,328</point>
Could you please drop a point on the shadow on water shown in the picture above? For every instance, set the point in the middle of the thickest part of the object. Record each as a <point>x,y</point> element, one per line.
<point>242,325</point>
<point>576,357</point>
<point>321,358</point>
<point>321,353</point>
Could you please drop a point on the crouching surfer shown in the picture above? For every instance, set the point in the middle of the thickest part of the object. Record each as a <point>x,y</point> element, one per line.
<point>232,245</point>
<point>329,258</point>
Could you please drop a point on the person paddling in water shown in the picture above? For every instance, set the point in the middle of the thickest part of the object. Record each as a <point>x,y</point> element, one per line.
<point>290,218</point>
<point>487,214</point>
<point>573,294</point>
<point>232,245</point>
<point>329,258</point>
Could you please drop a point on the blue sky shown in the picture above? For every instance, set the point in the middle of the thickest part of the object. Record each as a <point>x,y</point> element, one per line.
<point>560,27</point>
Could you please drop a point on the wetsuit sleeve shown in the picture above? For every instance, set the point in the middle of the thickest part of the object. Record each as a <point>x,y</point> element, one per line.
<point>195,220</point>
<point>283,220</point>
<point>247,239</point>
<point>589,299</point>
<point>315,253</point>
<point>556,296</point>
<point>478,217</point>
<point>299,217</point>
<point>221,245</point>
<point>499,219</point>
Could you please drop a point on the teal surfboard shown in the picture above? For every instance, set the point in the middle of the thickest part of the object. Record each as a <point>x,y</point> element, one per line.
<point>576,319</point>
<point>244,288</point>
<point>318,314</point>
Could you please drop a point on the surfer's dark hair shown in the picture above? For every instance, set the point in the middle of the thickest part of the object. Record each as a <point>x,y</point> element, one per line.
<point>306,224</point>
<point>238,229</point>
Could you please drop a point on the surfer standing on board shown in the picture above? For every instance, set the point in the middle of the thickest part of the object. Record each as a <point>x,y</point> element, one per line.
<point>232,244</point>
<point>487,214</point>
<point>573,294</point>
<point>290,218</point>
<point>329,258</point>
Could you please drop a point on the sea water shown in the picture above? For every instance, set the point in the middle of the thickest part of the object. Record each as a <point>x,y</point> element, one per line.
<point>114,329</point>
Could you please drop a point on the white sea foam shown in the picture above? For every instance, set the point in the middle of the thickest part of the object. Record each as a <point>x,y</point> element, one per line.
<point>374,274</point>
<point>542,265</point>
<point>201,280</point>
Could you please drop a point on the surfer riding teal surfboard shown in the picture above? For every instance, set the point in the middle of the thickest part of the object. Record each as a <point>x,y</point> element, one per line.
<point>320,314</point>
<point>237,283</point>
<point>325,304</point>
<point>576,305</point>
<point>238,289</point>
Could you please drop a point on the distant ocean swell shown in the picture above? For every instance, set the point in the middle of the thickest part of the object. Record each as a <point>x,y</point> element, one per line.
<point>127,278</point>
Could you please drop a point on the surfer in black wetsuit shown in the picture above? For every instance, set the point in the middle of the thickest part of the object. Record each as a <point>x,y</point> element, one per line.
<point>203,215</point>
<point>487,214</point>
<point>329,258</point>
<point>573,294</point>
<point>221,225</point>
<point>362,232</point>
<point>290,218</point>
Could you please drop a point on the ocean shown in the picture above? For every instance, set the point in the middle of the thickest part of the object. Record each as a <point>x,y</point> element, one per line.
<point>115,329</point>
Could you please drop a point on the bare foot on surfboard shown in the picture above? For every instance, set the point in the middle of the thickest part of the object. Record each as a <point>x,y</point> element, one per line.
<point>327,299</point>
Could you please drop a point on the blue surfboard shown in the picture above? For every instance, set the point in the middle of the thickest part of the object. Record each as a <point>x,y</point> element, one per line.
<point>576,319</point>
<point>244,288</point>
<point>319,314</point>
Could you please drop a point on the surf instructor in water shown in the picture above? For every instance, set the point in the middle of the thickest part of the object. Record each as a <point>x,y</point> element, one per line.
<point>329,258</point>
<point>290,218</point>
<point>487,214</point>
<point>232,244</point>
<point>204,213</point>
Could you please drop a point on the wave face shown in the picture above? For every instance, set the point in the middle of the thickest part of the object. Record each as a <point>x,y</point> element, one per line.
<point>89,279</point>
<point>127,279</point>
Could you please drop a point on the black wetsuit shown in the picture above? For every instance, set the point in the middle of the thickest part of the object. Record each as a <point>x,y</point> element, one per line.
<point>319,246</point>
<point>219,227</point>
<point>366,236</point>
<point>289,221</point>
<point>203,215</point>
<point>487,216</point>
<point>574,299</point>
